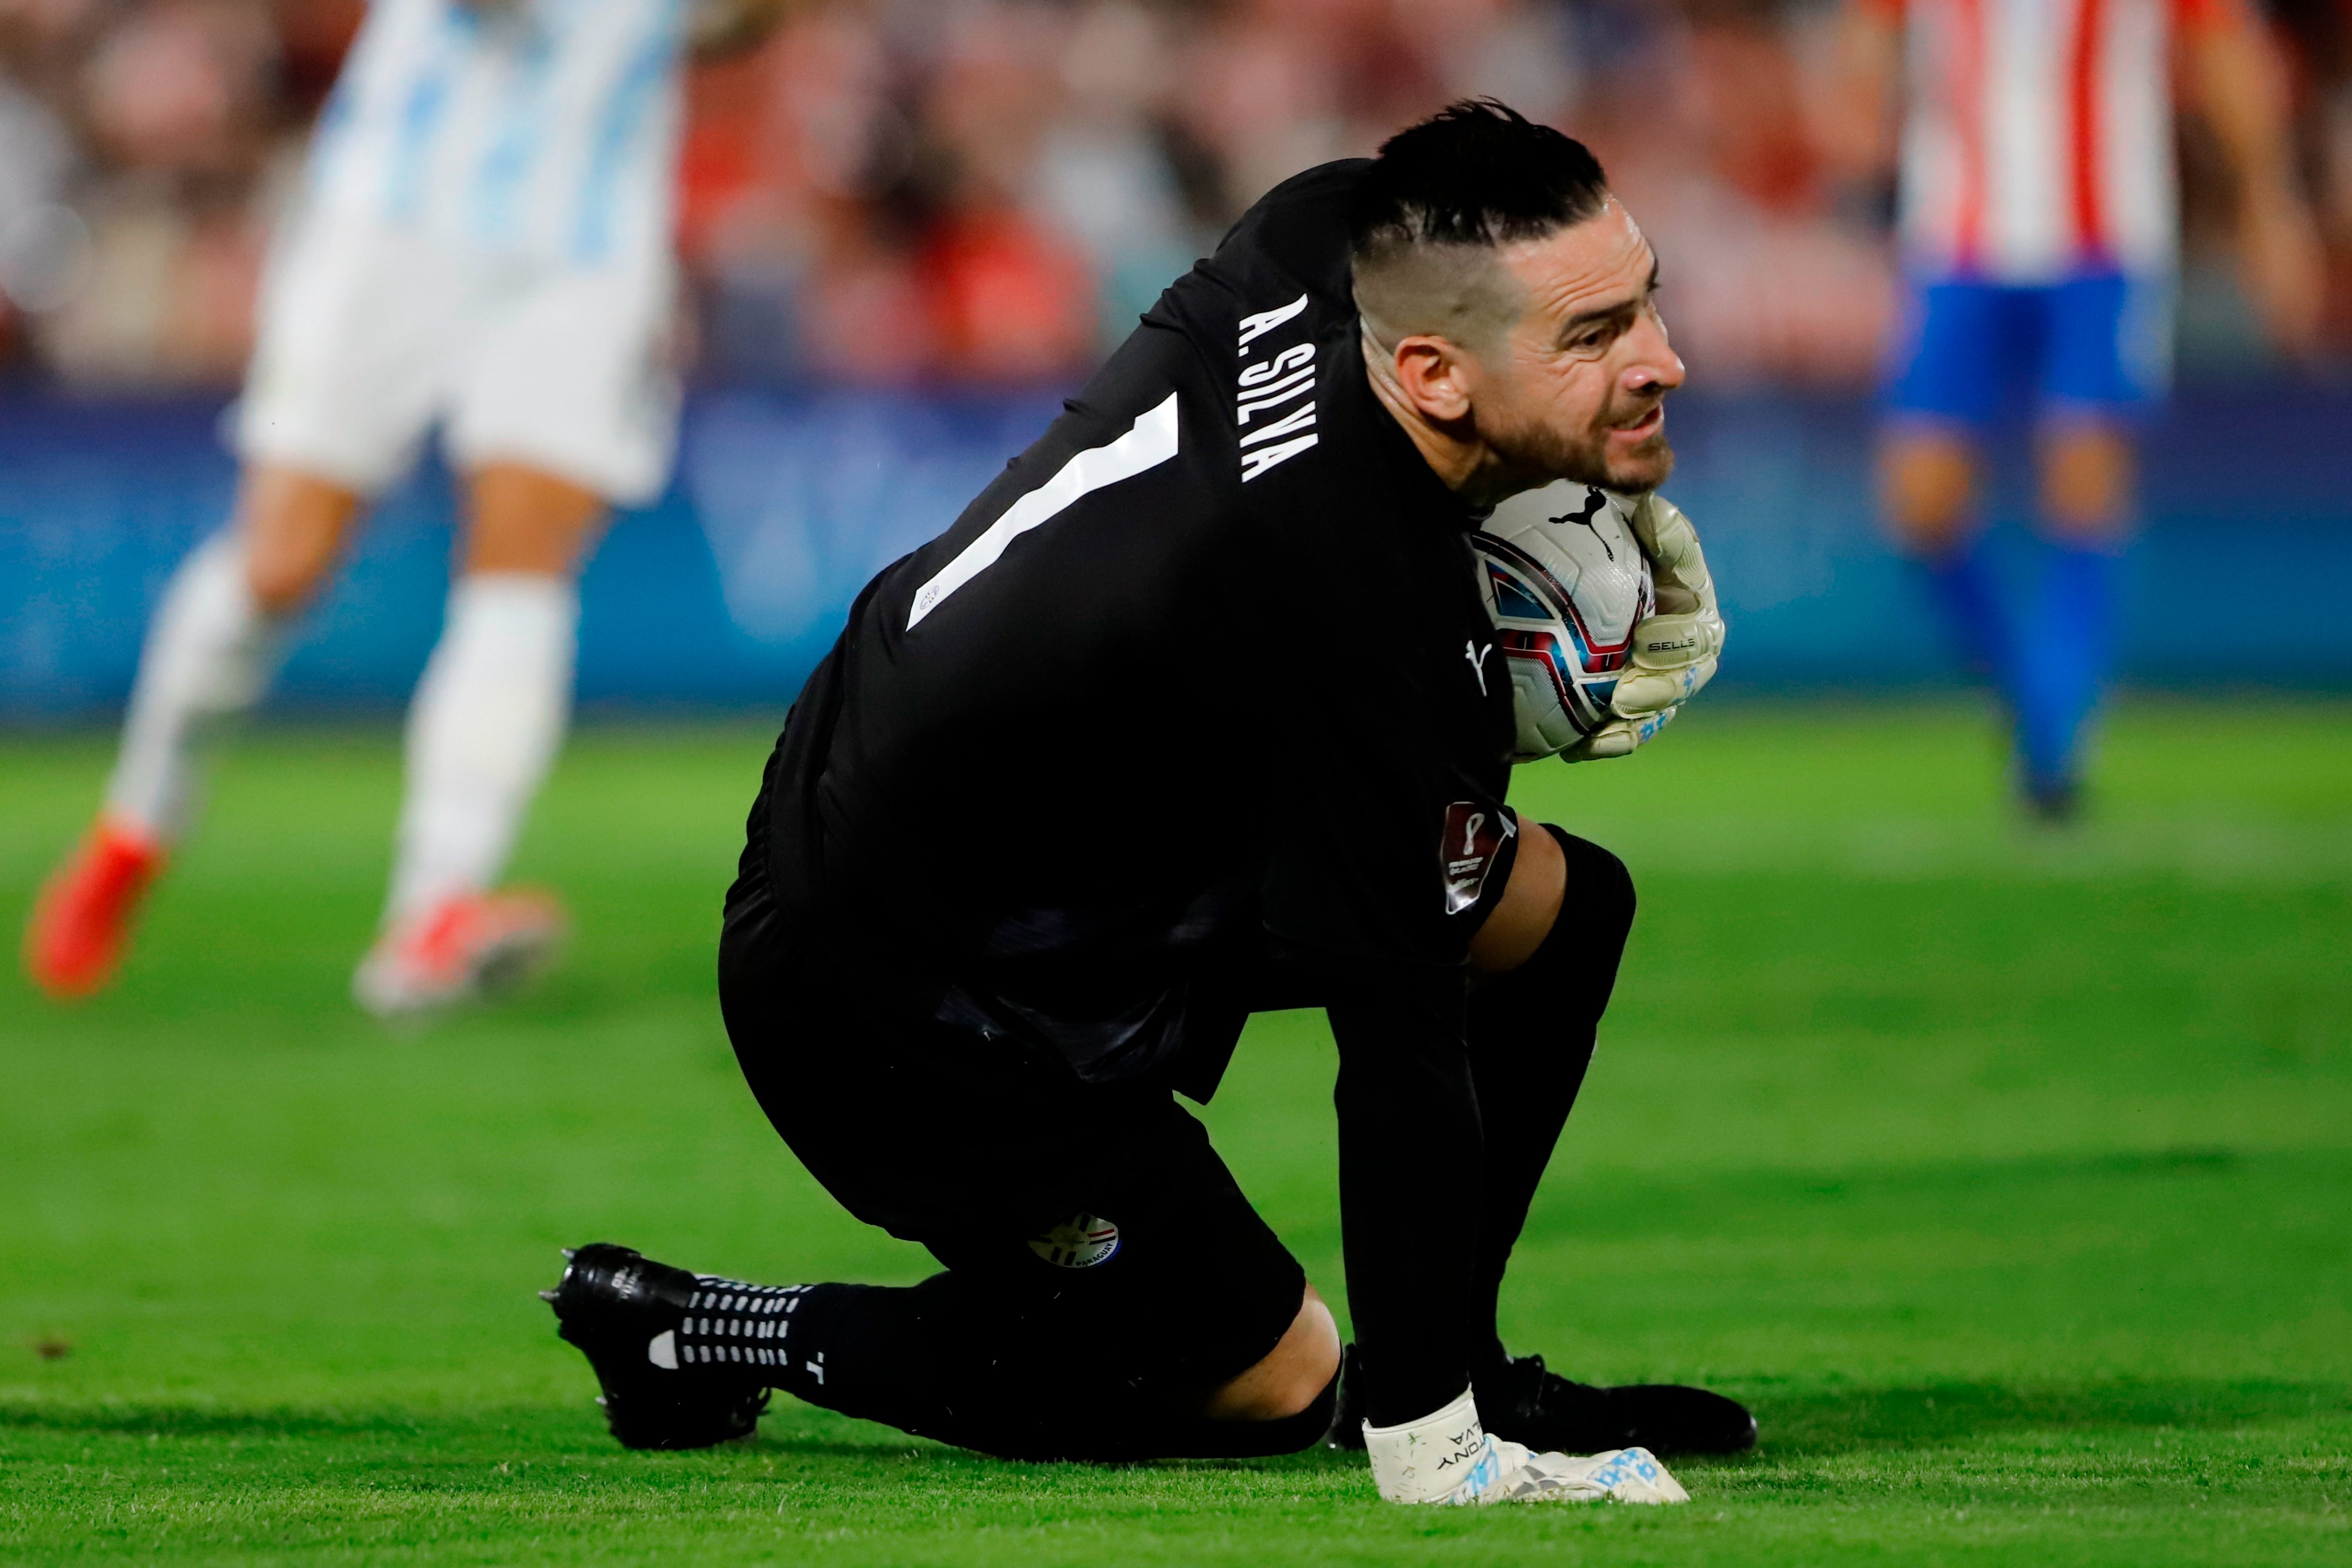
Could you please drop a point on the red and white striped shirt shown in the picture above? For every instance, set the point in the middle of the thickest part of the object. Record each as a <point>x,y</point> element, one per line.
<point>2037,136</point>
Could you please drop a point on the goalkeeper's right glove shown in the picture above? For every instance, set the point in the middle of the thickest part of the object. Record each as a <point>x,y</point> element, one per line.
<point>1675,649</point>
<point>1448,1458</point>
<point>1619,736</point>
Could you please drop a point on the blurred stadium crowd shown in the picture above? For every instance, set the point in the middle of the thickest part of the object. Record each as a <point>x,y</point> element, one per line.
<point>937,191</point>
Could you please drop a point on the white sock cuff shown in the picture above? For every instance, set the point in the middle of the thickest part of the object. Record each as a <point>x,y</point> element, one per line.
<point>521,607</point>
<point>222,556</point>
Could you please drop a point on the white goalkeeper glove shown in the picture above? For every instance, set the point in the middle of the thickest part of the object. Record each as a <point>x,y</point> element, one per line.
<point>1448,1458</point>
<point>1619,736</point>
<point>1676,648</point>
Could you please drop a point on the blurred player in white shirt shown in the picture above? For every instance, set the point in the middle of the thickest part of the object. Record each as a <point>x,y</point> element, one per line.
<point>2041,238</point>
<point>483,246</point>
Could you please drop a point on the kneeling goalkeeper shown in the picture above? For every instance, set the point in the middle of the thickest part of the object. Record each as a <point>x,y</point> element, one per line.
<point>1196,712</point>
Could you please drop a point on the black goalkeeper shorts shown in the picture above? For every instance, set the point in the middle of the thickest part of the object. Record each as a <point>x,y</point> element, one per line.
<point>1103,1203</point>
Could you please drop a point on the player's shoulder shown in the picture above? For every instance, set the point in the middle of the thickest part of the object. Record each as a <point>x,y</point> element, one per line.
<point>1291,247</point>
<point>1298,232</point>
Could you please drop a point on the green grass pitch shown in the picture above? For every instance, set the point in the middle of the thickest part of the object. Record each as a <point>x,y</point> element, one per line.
<point>2008,1174</point>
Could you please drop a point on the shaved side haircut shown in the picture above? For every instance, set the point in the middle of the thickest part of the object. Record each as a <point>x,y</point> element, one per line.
<point>1439,201</point>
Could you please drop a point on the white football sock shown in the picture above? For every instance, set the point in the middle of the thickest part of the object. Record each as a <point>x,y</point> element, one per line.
<point>210,652</point>
<point>482,730</point>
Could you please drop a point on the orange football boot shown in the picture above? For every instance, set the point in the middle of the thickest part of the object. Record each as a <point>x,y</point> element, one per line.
<point>467,947</point>
<point>83,921</point>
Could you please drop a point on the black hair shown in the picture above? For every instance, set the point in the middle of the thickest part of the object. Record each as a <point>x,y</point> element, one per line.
<point>1476,172</point>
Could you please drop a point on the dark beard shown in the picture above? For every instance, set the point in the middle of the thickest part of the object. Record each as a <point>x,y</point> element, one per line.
<point>1587,461</point>
<point>1652,463</point>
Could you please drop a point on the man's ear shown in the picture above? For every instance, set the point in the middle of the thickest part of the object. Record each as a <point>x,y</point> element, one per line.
<point>1434,376</point>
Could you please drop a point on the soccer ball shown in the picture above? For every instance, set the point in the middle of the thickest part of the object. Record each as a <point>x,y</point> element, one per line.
<point>1565,580</point>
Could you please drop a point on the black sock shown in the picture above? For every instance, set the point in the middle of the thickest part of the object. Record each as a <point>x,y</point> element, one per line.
<point>951,1359</point>
<point>1531,1036</point>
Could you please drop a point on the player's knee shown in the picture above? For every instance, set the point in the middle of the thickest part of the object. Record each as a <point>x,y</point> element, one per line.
<point>1307,1369</point>
<point>2087,472</point>
<point>290,526</point>
<point>282,582</point>
<point>524,519</point>
<point>1613,891</point>
<point>1292,1377</point>
<point>1926,488</point>
<point>1600,899</point>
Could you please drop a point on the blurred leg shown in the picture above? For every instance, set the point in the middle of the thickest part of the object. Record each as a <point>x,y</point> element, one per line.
<point>210,653</point>
<point>1928,481</point>
<point>1961,342</point>
<point>294,525</point>
<point>490,713</point>
<point>2108,346</point>
<point>215,643</point>
<point>526,519</point>
<point>558,404</point>
<point>2087,474</point>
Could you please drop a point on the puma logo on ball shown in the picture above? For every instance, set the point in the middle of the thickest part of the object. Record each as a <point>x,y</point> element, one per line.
<point>1593,501</point>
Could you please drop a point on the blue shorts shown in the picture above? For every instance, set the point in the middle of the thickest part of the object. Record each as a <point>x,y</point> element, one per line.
<point>2097,343</point>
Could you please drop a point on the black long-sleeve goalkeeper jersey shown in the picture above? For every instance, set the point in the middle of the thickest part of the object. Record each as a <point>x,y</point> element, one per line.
<point>1205,666</point>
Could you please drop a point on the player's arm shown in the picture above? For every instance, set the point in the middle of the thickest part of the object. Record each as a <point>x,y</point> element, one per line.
<point>1858,135</point>
<point>2233,78</point>
<point>1675,647</point>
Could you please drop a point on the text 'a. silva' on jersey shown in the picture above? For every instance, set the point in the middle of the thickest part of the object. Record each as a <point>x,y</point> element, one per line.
<point>1202,667</point>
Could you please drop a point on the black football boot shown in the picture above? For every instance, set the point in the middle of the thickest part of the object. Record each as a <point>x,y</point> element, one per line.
<point>679,1355</point>
<point>1521,1402</point>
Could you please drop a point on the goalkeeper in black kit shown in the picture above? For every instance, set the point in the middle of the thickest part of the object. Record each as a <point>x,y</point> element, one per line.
<point>1195,713</point>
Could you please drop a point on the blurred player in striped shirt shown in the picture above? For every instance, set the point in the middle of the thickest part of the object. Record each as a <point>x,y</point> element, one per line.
<point>483,246</point>
<point>2040,235</point>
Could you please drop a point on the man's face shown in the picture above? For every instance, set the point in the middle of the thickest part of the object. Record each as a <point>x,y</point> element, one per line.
<point>1577,389</point>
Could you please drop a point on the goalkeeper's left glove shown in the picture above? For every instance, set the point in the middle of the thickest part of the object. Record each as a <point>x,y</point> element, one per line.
<point>1676,648</point>
<point>1447,1457</point>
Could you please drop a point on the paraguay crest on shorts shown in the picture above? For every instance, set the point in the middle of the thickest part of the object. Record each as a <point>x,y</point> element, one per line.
<point>1081,1242</point>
